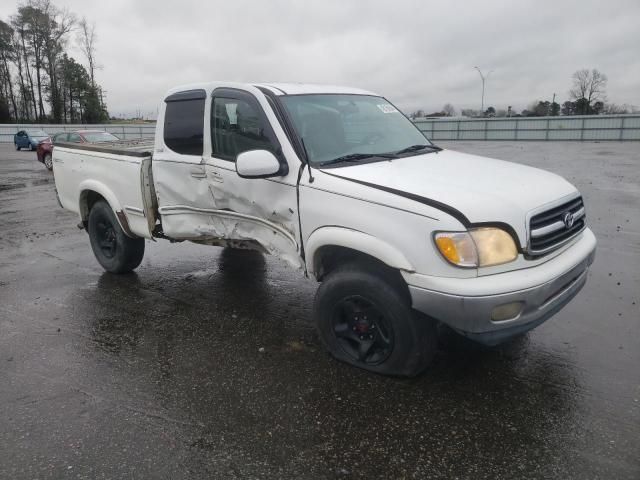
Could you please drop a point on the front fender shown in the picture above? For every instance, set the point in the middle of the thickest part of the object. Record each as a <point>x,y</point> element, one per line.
<point>355,240</point>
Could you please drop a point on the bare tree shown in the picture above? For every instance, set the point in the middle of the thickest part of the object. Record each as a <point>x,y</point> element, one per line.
<point>449,110</point>
<point>20,25</point>
<point>588,87</point>
<point>88,46</point>
<point>35,22</point>
<point>6,55</point>
<point>58,23</point>
<point>612,108</point>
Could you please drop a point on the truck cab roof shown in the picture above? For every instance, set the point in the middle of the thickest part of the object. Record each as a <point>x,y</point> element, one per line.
<point>275,88</point>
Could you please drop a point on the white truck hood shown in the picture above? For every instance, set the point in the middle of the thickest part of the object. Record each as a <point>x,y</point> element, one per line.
<point>481,189</point>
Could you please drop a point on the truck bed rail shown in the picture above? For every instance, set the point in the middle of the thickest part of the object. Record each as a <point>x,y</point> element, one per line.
<point>139,147</point>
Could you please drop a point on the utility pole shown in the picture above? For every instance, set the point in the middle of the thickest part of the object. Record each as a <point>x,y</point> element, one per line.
<point>484,78</point>
<point>553,102</point>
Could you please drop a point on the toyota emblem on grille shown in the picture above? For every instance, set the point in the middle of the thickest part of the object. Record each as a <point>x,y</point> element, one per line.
<point>568,219</point>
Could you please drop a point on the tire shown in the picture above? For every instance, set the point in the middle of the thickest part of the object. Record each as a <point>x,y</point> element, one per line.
<point>359,309</point>
<point>116,252</point>
<point>48,161</point>
<point>17,147</point>
<point>31,147</point>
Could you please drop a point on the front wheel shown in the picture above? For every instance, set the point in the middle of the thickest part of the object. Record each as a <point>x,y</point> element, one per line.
<point>17,147</point>
<point>366,321</point>
<point>48,161</point>
<point>116,252</point>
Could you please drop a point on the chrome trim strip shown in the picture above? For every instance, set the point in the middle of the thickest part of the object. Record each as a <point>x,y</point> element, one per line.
<point>134,211</point>
<point>548,206</point>
<point>555,246</point>
<point>541,232</point>
<point>554,227</point>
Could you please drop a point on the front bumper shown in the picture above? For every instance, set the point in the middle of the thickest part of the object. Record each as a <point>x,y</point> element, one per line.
<point>467,305</point>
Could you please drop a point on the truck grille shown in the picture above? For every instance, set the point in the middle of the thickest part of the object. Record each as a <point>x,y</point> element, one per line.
<point>551,229</point>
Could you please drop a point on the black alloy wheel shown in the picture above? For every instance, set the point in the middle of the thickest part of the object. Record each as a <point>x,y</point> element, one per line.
<point>364,318</point>
<point>106,237</point>
<point>114,250</point>
<point>362,331</point>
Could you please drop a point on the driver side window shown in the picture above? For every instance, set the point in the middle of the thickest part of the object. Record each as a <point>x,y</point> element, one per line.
<point>237,126</point>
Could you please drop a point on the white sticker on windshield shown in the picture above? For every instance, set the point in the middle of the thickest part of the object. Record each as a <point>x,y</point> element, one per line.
<point>386,108</point>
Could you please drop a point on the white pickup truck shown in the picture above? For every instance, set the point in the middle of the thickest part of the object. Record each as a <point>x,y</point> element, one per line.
<point>337,182</point>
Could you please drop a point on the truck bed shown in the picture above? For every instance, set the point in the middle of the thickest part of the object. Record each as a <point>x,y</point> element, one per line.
<point>139,147</point>
<point>118,172</point>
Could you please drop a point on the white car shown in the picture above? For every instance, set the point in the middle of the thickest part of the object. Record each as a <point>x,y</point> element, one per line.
<point>400,233</point>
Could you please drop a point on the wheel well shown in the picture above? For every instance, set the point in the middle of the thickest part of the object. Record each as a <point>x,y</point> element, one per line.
<point>330,257</point>
<point>88,198</point>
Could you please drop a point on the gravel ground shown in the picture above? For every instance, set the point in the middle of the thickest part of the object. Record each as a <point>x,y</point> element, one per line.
<point>204,364</point>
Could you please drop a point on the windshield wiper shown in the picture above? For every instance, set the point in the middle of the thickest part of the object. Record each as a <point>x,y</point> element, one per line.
<point>415,148</point>
<point>354,157</point>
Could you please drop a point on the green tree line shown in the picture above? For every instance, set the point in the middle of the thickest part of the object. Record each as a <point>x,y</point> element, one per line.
<point>39,81</point>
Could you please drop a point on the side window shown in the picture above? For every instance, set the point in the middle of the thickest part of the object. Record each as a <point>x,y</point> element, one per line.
<point>75,138</point>
<point>237,126</point>
<point>184,122</point>
<point>60,137</point>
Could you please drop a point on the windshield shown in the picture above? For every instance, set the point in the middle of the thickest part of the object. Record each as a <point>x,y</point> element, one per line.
<point>335,126</point>
<point>99,137</point>
<point>37,133</point>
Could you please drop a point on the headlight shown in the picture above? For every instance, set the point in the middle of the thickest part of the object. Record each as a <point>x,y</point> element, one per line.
<point>479,247</point>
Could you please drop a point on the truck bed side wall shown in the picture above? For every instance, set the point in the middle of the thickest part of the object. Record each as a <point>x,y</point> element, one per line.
<point>114,177</point>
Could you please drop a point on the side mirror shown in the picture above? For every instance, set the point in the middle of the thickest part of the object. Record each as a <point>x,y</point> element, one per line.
<point>259,164</point>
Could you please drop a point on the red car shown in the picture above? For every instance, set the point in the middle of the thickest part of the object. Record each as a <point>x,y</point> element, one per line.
<point>45,148</point>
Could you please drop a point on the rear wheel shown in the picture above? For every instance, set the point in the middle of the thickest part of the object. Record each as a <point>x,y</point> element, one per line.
<point>17,147</point>
<point>116,252</point>
<point>48,161</point>
<point>367,321</point>
<point>31,147</point>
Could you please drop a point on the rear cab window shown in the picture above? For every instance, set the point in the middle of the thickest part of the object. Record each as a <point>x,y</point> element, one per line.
<point>184,122</point>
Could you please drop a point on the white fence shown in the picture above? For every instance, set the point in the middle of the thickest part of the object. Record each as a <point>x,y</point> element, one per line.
<point>124,131</point>
<point>575,128</point>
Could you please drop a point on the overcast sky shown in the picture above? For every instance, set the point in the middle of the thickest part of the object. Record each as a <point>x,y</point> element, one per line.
<point>419,54</point>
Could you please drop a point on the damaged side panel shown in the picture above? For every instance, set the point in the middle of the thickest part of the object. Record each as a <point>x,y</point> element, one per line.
<point>210,204</point>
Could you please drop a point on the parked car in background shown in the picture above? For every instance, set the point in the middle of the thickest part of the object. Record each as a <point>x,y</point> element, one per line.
<point>45,148</point>
<point>29,139</point>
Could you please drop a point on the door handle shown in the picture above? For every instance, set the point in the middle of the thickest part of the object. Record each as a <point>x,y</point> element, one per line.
<point>198,173</point>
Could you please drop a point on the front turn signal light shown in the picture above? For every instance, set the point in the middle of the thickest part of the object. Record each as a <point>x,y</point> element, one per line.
<point>458,248</point>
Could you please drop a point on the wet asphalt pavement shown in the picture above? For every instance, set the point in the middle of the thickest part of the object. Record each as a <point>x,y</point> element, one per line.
<point>160,374</point>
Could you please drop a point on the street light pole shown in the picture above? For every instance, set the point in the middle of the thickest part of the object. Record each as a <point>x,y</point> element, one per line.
<point>483,77</point>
